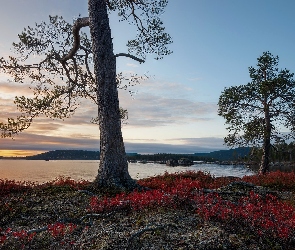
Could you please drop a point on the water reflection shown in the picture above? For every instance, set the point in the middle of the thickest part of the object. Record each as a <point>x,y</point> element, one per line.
<point>43,171</point>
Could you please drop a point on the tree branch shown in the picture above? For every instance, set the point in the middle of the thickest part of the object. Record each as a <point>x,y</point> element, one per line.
<point>80,22</point>
<point>87,52</point>
<point>131,56</point>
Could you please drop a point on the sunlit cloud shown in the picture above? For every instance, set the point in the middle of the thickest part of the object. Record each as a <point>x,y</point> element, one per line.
<point>8,90</point>
<point>26,141</point>
<point>18,153</point>
<point>45,127</point>
<point>27,144</point>
<point>185,148</point>
<point>153,104</point>
<point>205,142</point>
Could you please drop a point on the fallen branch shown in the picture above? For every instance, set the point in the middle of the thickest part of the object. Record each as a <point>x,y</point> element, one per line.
<point>39,230</point>
<point>149,229</point>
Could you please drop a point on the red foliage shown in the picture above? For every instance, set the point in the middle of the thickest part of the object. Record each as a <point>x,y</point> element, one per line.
<point>67,181</point>
<point>58,229</point>
<point>180,190</point>
<point>277,180</point>
<point>262,215</point>
<point>168,180</point>
<point>12,186</point>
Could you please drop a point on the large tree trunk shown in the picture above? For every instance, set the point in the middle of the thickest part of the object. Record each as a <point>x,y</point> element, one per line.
<point>113,167</point>
<point>264,165</point>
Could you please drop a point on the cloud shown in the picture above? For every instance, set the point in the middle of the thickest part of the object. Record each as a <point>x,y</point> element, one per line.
<point>204,142</point>
<point>27,142</point>
<point>160,103</point>
<point>10,89</point>
<point>46,127</point>
<point>151,148</point>
<point>150,110</point>
<point>178,146</point>
<point>155,104</point>
<point>84,113</point>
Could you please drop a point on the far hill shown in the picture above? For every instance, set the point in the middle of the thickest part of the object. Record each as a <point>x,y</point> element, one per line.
<point>227,155</point>
<point>66,155</point>
<point>221,155</point>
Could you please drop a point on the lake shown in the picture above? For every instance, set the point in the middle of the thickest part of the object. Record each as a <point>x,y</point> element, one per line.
<point>43,171</point>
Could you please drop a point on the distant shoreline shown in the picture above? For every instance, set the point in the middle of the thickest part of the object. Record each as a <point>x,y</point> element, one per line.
<point>222,155</point>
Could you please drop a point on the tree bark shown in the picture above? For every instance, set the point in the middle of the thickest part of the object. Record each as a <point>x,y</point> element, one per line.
<point>113,167</point>
<point>264,165</point>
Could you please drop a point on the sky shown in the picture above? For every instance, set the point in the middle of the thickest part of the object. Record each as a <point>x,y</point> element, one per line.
<point>175,110</point>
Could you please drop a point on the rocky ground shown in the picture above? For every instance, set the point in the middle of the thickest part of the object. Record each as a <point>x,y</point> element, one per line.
<point>72,226</point>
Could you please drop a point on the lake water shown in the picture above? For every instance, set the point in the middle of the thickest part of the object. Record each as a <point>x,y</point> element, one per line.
<point>43,171</point>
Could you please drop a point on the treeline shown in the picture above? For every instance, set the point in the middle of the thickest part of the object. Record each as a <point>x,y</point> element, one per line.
<point>236,154</point>
<point>164,157</point>
<point>280,152</point>
<point>94,155</point>
<point>222,155</point>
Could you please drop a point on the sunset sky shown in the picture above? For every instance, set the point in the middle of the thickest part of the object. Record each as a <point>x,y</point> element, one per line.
<point>175,110</point>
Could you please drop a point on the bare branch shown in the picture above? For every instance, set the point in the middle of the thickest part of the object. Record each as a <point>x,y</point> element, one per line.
<point>138,21</point>
<point>131,56</point>
<point>80,22</point>
<point>85,49</point>
<point>87,52</point>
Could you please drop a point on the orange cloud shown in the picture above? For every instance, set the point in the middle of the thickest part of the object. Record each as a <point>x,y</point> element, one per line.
<point>18,153</point>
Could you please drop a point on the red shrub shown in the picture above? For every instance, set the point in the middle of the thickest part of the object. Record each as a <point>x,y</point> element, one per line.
<point>67,181</point>
<point>263,215</point>
<point>277,180</point>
